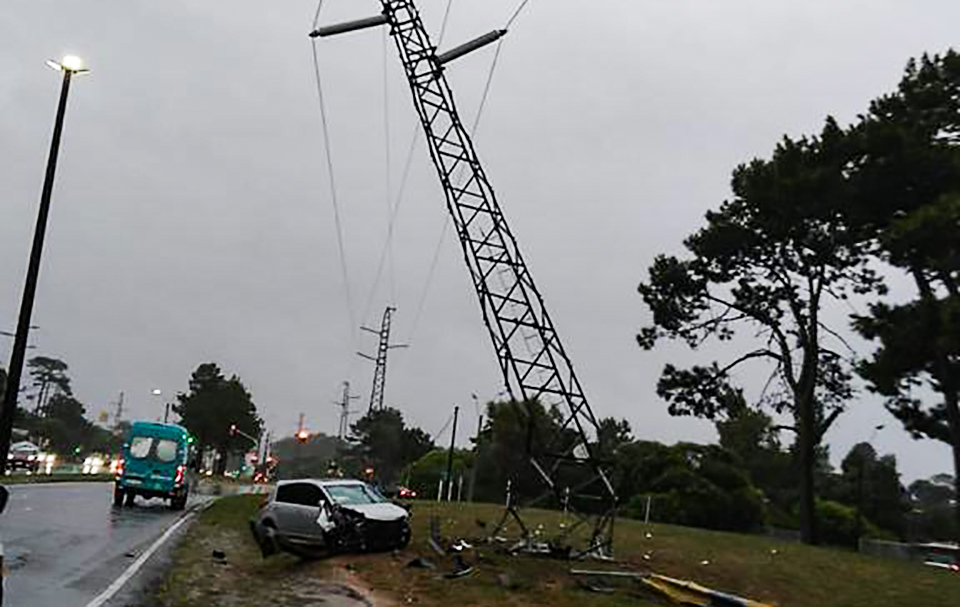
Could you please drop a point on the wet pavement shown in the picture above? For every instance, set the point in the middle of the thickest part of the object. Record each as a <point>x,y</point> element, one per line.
<point>65,543</point>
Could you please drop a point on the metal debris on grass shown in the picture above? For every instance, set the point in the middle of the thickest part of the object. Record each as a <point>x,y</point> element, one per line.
<point>681,592</point>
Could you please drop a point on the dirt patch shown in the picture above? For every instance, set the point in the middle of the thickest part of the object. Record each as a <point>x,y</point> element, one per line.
<point>217,564</point>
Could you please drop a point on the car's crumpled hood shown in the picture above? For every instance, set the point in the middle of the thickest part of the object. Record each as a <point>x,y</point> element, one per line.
<point>379,512</point>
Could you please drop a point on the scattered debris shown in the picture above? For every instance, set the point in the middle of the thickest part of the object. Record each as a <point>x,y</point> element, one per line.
<point>704,562</point>
<point>460,568</point>
<point>682,592</point>
<point>435,540</point>
<point>421,563</point>
<point>594,588</point>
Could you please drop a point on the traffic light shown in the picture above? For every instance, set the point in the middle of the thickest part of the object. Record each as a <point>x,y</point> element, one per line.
<point>302,436</point>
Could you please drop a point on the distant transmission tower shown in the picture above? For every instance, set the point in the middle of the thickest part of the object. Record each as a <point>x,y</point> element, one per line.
<point>534,363</point>
<point>380,371</point>
<point>119,414</point>
<point>345,411</point>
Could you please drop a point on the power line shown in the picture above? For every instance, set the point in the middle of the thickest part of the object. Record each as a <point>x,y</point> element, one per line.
<point>516,14</point>
<point>391,262</point>
<point>333,187</point>
<point>316,15</point>
<point>393,212</point>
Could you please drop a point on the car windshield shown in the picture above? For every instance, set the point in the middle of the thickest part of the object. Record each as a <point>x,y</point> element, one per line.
<point>352,495</point>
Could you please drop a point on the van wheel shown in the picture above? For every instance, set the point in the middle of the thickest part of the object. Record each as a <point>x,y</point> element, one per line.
<point>117,497</point>
<point>130,497</point>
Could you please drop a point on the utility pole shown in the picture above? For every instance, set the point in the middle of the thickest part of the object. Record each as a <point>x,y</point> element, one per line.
<point>476,461</point>
<point>453,439</point>
<point>69,66</point>
<point>533,361</point>
<point>380,371</point>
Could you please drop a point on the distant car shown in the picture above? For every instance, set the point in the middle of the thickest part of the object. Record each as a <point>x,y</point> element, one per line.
<point>24,455</point>
<point>312,517</point>
<point>942,556</point>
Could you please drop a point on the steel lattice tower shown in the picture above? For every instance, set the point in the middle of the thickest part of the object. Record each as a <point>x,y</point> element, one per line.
<point>533,362</point>
<point>380,370</point>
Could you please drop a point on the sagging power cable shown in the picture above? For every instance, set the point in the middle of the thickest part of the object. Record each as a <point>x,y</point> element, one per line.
<point>393,212</point>
<point>333,189</point>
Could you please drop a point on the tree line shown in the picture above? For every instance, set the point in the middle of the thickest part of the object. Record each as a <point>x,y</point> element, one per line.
<point>829,219</point>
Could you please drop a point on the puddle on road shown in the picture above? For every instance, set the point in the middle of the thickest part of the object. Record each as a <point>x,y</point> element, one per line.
<point>17,560</point>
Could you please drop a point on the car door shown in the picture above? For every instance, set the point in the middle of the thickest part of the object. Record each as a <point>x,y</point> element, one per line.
<point>298,506</point>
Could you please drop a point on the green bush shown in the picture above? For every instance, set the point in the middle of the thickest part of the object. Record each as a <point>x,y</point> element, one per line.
<point>684,496</point>
<point>837,525</point>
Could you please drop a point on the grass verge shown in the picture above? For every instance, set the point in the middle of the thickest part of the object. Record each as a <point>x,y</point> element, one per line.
<point>784,574</point>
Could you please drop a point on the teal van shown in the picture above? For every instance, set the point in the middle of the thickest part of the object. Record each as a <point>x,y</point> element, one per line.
<point>156,462</point>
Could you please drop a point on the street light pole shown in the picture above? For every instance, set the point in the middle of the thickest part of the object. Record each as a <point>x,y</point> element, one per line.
<point>69,66</point>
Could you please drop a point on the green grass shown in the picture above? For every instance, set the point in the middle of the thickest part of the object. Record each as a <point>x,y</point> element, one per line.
<point>762,569</point>
<point>758,568</point>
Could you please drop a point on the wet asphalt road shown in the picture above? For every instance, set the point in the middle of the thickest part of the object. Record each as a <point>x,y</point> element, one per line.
<point>65,543</point>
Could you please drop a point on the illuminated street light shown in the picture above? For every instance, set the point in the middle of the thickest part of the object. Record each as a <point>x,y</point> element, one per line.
<point>69,65</point>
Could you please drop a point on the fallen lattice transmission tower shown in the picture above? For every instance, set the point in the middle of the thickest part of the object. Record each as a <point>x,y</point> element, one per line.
<point>535,366</point>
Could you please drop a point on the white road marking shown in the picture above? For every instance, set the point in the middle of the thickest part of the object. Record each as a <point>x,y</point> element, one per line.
<point>118,583</point>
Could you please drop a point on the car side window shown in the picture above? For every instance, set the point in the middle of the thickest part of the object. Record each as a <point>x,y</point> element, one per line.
<point>302,494</point>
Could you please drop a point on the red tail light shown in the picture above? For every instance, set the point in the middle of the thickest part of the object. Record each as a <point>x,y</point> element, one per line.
<point>177,480</point>
<point>119,470</point>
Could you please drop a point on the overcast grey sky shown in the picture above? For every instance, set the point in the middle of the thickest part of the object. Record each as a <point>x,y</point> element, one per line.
<point>191,220</point>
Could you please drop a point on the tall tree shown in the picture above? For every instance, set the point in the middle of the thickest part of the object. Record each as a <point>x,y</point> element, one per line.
<point>385,443</point>
<point>49,377</point>
<point>766,262</point>
<point>611,436</point>
<point>932,500</point>
<point>211,406</point>
<point>909,188</point>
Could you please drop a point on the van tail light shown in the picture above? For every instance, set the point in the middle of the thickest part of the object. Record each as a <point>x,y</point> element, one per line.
<point>118,467</point>
<point>178,479</point>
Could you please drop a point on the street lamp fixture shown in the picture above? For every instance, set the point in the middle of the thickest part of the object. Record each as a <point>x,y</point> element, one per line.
<point>70,63</point>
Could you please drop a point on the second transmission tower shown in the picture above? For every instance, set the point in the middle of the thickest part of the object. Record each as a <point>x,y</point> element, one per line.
<point>380,371</point>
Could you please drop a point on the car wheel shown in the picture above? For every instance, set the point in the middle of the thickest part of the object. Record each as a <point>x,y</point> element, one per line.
<point>130,498</point>
<point>117,497</point>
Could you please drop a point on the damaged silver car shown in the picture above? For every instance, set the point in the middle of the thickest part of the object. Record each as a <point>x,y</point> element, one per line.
<point>314,517</point>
